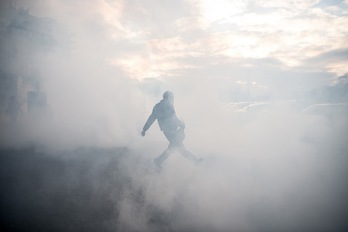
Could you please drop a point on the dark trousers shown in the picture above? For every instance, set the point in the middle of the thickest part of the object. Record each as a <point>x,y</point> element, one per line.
<point>175,138</point>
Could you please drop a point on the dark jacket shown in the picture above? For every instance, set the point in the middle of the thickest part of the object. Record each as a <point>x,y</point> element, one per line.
<point>165,114</point>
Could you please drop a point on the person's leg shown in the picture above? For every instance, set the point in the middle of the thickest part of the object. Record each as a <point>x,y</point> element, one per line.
<point>161,158</point>
<point>187,154</point>
<point>170,135</point>
<point>176,139</point>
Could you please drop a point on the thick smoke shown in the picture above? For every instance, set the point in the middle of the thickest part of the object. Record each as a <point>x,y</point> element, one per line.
<point>273,141</point>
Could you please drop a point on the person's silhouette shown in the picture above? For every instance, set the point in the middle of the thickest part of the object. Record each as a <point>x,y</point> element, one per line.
<point>13,108</point>
<point>172,128</point>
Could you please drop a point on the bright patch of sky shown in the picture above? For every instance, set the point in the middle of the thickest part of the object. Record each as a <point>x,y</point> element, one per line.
<point>148,38</point>
<point>289,31</point>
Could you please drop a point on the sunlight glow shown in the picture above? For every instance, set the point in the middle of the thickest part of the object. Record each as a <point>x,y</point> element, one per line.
<point>232,29</point>
<point>214,10</point>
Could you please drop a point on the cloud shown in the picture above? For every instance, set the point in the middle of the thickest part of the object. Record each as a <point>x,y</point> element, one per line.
<point>334,60</point>
<point>143,34</point>
<point>325,4</point>
<point>331,56</point>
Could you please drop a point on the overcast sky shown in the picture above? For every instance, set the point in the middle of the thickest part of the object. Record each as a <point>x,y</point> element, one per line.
<point>148,38</point>
<point>202,50</point>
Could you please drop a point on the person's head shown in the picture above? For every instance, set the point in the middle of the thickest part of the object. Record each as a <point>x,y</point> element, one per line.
<point>168,96</point>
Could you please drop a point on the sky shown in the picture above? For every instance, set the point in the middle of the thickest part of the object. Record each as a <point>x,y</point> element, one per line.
<point>149,39</point>
<point>112,60</point>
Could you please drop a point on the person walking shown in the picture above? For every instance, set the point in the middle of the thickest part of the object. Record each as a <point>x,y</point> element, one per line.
<point>172,128</point>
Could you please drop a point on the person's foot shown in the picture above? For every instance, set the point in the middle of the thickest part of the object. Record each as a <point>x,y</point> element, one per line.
<point>199,161</point>
<point>157,165</point>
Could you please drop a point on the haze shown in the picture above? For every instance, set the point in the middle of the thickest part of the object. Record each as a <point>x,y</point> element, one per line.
<point>261,86</point>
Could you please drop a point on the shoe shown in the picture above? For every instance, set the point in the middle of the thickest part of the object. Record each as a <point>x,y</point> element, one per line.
<point>199,161</point>
<point>157,164</point>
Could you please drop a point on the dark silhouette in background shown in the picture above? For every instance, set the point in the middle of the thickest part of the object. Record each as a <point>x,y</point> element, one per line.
<point>172,128</point>
<point>13,109</point>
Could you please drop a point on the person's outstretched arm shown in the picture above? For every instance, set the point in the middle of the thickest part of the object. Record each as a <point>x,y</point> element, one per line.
<point>149,122</point>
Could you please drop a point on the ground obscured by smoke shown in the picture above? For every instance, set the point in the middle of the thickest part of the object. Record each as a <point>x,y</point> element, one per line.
<point>279,172</point>
<point>273,166</point>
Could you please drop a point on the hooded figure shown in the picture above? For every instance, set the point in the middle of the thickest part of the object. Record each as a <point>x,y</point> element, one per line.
<point>172,128</point>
